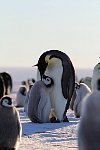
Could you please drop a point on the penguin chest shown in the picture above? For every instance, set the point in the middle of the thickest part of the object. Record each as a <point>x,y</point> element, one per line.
<point>57,100</point>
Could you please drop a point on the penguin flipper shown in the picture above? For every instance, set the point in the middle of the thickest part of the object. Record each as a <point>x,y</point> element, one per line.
<point>69,77</point>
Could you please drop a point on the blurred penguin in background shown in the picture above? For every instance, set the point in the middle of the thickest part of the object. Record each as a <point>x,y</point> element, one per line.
<point>89,126</point>
<point>58,66</point>
<point>26,100</point>
<point>7,82</point>
<point>10,126</point>
<point>20,97</point>
<point>39,104</point>
<point>95,76</point>
<point>87,81</point>
<point>81,90</point>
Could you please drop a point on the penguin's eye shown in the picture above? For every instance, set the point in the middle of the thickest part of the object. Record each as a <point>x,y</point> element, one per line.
<point>48,79</point>
<point>5,101</point>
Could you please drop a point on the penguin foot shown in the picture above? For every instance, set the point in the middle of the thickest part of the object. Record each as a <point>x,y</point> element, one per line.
<point>77,116</point>
<point>54,120</point>
<point>65,119</point>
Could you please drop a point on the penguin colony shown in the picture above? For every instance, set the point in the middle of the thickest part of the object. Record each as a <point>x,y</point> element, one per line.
<point>49,100</point>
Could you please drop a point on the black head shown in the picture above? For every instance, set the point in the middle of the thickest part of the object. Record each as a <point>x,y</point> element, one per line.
<point>23,90</point>
<point>42,63</point>
<point>47,81</point>
<point>6,101</point>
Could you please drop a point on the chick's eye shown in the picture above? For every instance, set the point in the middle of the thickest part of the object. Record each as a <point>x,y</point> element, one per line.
<point>6,101</point>
<point>48,79</point>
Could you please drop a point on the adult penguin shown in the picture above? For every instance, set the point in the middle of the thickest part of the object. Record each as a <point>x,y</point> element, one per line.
<point>95,76</point>
<point>7,82</point>
<point>39,105</point>
<point>89,126</point>
<point>2,86</point>
<point>59,67</point>
<point>10,126</point>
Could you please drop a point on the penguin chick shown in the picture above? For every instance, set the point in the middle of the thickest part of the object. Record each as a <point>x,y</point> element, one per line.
<point>39,104</point>
<point>79,93</point>
<point>10,126</point>
<point>27,99</point>
<point>89,126</point>
<point>21,95</point>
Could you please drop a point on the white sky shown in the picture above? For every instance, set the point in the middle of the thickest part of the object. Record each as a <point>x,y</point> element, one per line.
<point>30,27</point>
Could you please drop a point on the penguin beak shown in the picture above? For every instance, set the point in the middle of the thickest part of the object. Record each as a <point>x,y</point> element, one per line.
<point>35,65</point>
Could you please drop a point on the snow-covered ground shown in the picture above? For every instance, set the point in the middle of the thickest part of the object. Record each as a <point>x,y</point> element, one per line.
<point>48,136</point>
<point>52,136</point>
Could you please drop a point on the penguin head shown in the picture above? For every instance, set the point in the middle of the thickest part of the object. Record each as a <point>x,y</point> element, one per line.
<point>47,81</point>
<point>6,101</point>
<point>96,70</point>
<point>23,90</point>
<point>47,58</point>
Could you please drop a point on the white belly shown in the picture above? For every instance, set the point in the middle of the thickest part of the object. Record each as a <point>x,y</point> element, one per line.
<point>58,102</point>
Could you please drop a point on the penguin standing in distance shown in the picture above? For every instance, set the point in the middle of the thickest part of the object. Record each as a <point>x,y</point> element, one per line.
<point>95,76</point>
<point>27,99</point>
<point>59,67</point>
<point>10,126</point>
<point>39,104</point>
<point>89,126</point>
<point>21,95</point>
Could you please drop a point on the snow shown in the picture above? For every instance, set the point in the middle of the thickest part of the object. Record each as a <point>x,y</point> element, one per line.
<point>52,136</point>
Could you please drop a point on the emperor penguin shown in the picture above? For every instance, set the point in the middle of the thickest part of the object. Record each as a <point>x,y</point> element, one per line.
<point>10,126</point>
<point>81,90</point>
<point>39,104</point>
<point>89,126</point>
<point>7,82</point>
<point>58,66</point>
<point>95,76</point>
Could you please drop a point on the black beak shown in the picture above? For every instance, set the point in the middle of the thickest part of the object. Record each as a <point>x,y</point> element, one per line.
<point>35,65</point>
